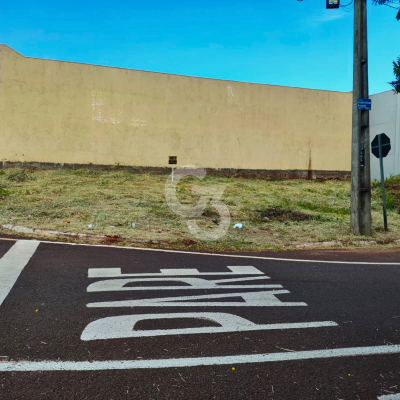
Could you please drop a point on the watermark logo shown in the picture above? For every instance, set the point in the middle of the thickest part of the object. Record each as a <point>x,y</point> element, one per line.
<point>209,195</point>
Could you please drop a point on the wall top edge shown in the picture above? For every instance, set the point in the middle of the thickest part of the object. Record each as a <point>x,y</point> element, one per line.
<point>178,75</point>
<point>385,91</point>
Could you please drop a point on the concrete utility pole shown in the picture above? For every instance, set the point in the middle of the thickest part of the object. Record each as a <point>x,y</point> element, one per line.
<point>360,150</point>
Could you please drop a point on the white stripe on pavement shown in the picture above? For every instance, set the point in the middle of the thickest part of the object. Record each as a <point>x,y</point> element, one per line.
<point>122,326</point>
<point>20,366</point>
<point>225,255</point>
<point>12,264</point>
<point>390,397</point>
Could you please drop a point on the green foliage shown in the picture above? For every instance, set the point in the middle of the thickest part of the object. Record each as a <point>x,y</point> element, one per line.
<point>323,207</point>
<point>390,202</point>
<point>3,192</point>
<point>394,179</point>
<point>396,72</point>
<point>392,189</point>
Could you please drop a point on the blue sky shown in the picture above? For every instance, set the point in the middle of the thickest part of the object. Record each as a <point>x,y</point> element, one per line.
<point>281,42</point>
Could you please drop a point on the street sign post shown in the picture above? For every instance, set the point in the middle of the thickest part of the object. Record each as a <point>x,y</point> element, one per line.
<point>380,148</point>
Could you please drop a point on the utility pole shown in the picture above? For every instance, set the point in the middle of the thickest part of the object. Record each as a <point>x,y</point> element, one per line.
<point>360,152</point>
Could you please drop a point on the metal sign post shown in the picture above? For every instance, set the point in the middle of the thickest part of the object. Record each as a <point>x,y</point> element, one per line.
<point>382,184</point>
<point>173,160</point>
<point>380,148</point>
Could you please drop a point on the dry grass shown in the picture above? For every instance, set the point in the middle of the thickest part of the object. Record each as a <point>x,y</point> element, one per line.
<point>274,213</point>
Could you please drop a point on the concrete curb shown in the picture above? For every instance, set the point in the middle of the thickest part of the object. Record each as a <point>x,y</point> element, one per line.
<point>88,236</point>
<point>339,243</point>
<point>48,233</point>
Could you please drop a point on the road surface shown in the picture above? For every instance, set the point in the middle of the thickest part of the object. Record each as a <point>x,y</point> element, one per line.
<point>98,322</point>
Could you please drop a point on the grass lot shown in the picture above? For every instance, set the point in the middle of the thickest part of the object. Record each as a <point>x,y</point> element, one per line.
<point>274,214</point>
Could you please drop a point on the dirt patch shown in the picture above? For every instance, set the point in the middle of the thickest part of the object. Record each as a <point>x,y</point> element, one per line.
<point>188,242</point>
<point>278,213</point>
<point>112,239</point>
<point>210,214</point>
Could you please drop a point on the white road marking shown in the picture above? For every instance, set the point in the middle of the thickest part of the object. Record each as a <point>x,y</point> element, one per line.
<point>225,255</point>
<point>390,397</point>
<point>123,326</point>
<point>117,273</point>
<point>111,285</point>
<point>12,264</point>
<point>251,299</point>
<point>19,366</point>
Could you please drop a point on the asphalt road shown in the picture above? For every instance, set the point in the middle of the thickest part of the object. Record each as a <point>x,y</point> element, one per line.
<point>90,322</point>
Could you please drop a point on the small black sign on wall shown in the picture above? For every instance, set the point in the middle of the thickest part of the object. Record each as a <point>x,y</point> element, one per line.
<point>173,160</point>
<point>332,3</point>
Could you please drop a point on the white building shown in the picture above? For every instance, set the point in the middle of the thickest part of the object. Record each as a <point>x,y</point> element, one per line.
<point>385,118</point>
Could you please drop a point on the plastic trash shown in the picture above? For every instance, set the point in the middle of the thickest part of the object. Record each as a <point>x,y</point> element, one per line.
<point>111,226</point>
<point>133,225</point>
<point>239,226</point>
<point>90,226</point>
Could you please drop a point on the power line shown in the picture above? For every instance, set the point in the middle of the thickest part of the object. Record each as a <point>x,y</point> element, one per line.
<point>384,2</point>
<point>387,3</point>
<point>348,7</point>
<point>396,8</point>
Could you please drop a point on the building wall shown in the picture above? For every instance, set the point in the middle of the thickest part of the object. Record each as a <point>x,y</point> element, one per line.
<point>62,112</point>
<point>385,118</point>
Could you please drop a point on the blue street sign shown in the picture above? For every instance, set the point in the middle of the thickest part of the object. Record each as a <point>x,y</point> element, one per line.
<point>364,104</point>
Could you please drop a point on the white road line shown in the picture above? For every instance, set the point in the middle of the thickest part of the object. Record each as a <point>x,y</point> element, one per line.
<point>390,397</point>
<point>116,272</point>
<point>225,255</point>
<point>115,285</point>
<point>122,326</point>
<point>251,299</point>
<point>19,366</point>
<point>12,264</point>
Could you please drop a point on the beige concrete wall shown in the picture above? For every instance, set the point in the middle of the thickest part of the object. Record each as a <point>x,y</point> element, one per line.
<point>62,112</point>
